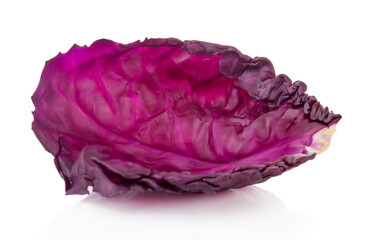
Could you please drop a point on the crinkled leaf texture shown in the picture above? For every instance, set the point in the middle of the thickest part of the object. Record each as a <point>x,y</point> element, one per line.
<point>173,116</point>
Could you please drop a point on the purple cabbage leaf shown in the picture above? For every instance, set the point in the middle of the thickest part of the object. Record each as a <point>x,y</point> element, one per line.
<point>173,116</point>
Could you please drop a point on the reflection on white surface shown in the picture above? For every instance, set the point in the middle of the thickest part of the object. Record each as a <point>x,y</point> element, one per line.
<point>248,212</point>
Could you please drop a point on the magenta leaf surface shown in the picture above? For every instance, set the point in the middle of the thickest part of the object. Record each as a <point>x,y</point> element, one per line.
<point>173,116</point>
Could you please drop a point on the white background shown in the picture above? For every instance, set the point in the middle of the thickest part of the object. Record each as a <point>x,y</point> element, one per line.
<point>318,42</point>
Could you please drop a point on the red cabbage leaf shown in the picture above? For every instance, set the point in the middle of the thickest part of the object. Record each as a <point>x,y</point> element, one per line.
<point>173,116</point>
